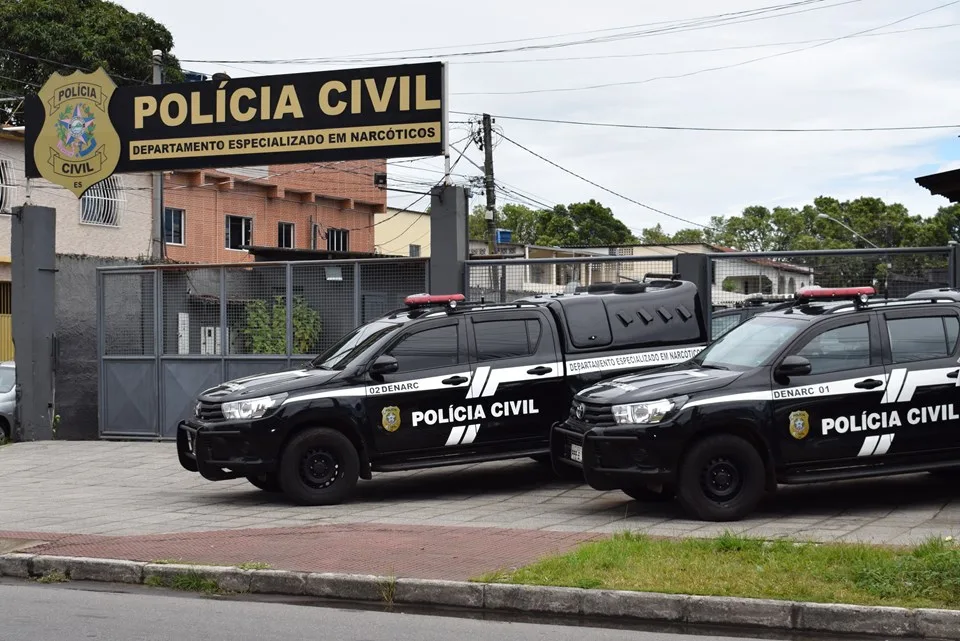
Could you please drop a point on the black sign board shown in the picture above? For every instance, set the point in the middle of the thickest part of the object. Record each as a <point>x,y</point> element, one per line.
<point>374,112</point>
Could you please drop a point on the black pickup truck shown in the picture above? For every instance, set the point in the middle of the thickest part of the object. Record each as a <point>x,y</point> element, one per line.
<point>438,382</point>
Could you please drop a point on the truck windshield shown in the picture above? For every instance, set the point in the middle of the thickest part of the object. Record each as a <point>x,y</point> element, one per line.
<point>750,344</point>
<point>354,344</point>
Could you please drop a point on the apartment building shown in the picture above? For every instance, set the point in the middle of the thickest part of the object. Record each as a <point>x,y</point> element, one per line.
<point>219,215</point>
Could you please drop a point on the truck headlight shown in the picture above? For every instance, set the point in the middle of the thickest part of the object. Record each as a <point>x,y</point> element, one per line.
<point>251,407</point>
<point>642,413</point>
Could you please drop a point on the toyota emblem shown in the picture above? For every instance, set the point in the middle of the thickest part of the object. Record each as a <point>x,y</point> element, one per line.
<point>580,410</point>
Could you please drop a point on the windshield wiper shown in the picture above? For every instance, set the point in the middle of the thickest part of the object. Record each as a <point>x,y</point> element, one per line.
<point>703,366</point>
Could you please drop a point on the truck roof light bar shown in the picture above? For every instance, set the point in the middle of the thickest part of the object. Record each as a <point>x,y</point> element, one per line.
<point>859,295</point>
<point>428,300</point>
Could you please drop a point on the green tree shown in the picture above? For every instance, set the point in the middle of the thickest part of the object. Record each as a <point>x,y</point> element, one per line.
<point>587,223</point>
<point>77,33</point>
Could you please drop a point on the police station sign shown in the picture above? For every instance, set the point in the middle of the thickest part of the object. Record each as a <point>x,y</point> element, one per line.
<point>81,128</point>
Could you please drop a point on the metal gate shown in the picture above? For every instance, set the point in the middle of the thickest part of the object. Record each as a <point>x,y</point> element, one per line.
<point>167,332</point>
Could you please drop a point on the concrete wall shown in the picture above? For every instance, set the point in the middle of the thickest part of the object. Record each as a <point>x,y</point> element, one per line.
<point>129,239</point>
<point>77,372</point>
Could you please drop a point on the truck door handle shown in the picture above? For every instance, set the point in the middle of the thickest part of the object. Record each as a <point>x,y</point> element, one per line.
<point>455,380</point>
<point>870,383</point>
<point>540,371</point>
<point>953,374</point>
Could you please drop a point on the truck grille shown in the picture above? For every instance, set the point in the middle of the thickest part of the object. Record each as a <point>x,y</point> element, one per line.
<point>591,414</point>
<point>209,411</point>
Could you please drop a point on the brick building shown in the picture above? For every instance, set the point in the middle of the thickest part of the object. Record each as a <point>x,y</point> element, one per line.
<point>213,215</point>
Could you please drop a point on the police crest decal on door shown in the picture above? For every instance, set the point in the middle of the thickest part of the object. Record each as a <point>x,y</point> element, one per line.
<point>390,418</point>
<point>799,424</point>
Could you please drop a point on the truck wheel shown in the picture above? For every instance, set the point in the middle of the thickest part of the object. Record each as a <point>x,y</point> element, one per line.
<point>647,494</point>
<point>320,466</point>
<point>266,482</point>
<point>721,479</point>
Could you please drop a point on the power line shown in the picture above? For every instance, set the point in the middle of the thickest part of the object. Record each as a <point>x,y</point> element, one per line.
<point>598,185</point>
<point>678,52</point>
<point>700,71</point>
<point>659,28</point>
<point>729,129</point>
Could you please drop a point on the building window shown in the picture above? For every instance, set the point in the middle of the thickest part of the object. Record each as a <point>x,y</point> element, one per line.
<point>414,250</point>
<point>338,240</point>
<point>103,203</point>
<point>172,226</point>
<point>8,186</point>
<point>285,235</point>
<point>239,231</point>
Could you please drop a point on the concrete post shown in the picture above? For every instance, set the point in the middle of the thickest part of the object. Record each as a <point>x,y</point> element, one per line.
<point>696,269</point>
<point>33,245</point>
<point>449,244</point>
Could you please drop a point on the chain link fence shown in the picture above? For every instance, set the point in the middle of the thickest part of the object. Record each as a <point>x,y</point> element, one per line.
<point>168,332</point>
<point>507,280</point>
<point>894,273</point>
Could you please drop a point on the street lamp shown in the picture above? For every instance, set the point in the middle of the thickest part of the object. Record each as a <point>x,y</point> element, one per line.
<point>848,229</point>
<point>886,275</point>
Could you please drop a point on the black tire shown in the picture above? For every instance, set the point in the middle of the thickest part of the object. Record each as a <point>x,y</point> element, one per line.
<point>5,431</point>
<point>722,478</point>
<point>320,466</point>
<point>266,482</point>
<point>645,494</point>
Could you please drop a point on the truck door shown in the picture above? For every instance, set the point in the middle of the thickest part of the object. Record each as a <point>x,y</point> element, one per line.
<point>410,408</point>
<point>834,412</point>
<point>517,378</point>
<point>920,346</point>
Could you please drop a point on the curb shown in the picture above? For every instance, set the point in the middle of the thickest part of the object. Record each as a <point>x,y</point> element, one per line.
<point>496,597</point>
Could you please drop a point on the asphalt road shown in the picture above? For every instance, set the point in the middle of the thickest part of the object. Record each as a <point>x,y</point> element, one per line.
<point>40,612</point>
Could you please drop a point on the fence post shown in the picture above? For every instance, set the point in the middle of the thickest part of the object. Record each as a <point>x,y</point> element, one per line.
<point>954,264</point>
<point>357,312</point>
<point>224,340</point>
<point>696,269</point>
<point>158,343</point>
<point>288,278</point>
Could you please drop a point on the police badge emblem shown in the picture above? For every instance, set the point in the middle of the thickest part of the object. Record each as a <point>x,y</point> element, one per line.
<point>77,145</point>
<point>390,418</point>
<point>799,424</point>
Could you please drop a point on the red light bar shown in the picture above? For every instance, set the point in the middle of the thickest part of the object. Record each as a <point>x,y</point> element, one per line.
<point>416,300</point>
<point>835,292</point>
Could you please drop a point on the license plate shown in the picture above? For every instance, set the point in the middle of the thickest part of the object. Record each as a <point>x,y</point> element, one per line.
<point>576,453</point>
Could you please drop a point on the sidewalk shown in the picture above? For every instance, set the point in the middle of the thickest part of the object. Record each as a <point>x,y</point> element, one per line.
<point>409,551</point>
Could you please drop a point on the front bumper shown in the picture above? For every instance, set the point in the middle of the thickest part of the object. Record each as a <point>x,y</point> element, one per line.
<point>221,452</point>
<point>614,458</point>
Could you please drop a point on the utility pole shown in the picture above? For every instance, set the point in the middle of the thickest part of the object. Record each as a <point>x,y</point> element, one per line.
<point>488,182</point>
<point>157,249</point>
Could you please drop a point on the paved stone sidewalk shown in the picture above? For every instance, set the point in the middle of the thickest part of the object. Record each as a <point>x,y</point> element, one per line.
<point>139,488</point>
<point>417,551</point>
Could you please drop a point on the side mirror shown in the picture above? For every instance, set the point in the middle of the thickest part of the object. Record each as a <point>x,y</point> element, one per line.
<point>385,364</point>
<point>794,366</point>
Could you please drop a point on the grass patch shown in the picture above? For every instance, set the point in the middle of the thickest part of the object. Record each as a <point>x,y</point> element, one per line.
<point>927,575</point>
<point>53,577</point>
<point>186,582</point>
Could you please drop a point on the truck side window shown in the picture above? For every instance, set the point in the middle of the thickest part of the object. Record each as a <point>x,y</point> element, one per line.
<point>922,338</point>
<point>431,348</point>
<point>839,349</point>
<point>500,339</point>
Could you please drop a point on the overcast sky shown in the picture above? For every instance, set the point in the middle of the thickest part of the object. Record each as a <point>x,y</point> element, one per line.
<point>896,80</point>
